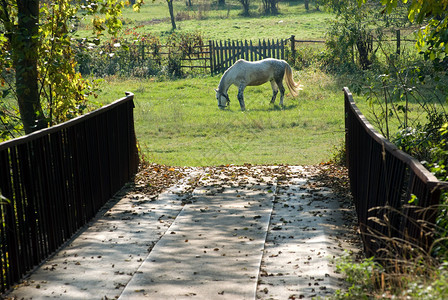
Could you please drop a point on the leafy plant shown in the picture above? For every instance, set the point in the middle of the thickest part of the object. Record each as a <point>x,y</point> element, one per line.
<point>363,276</point>
<point>369,279</point>
<point>432,37</point>
<point>36,43</point>
<point>351,35</point>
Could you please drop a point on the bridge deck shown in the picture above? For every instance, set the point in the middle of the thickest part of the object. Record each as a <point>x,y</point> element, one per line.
<point>220,233</point>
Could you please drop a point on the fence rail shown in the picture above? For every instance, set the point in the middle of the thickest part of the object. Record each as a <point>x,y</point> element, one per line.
<point>383,182</point>
<point>57,179</point>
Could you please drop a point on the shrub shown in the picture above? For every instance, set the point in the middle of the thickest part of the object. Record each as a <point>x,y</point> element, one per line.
<point>136,54</point>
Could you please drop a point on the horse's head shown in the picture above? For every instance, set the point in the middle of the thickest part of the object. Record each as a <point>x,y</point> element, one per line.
<point>223,99</point>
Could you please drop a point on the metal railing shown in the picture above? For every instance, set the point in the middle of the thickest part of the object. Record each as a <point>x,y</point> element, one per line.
<point>57,179</point>
<point>396,198</point>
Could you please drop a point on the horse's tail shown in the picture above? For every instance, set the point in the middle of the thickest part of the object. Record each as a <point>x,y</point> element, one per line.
<point>292,85</point>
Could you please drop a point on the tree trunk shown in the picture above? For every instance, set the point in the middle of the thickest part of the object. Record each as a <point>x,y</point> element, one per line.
<point>170,8</point>
<point>25,46</point>
<point>307,4</point>
<point>274,8</point>
<point>246,5</point>
<point>364,46</point>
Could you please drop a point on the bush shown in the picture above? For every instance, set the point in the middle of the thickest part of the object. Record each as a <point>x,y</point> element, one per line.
<point>137,55</point>
<point>304,57</point>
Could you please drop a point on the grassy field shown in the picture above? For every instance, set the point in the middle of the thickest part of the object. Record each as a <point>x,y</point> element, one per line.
<point>179,123</point>
<point>217,23</point>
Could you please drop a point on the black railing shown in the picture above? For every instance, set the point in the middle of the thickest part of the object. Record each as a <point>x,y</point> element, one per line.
<point>396,198</point>
<point>57,179</point>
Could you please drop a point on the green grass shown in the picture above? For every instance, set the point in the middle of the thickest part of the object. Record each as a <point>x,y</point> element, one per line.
<point>226,23</point>
<point>179,123</point>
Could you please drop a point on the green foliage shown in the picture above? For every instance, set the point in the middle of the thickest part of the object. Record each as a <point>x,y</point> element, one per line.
<point>64,90</point>
<point>362,276</point>
<point>436,289</point>
<point>410,94</point>
<point>351,35</point>
<point>432,38</point>
<point>133,54</point>
<point>306,56</point>
<point>105,14</point>
<point>61,92</point>
<point>137,54</point>
<point>423,83</point>
<point>181,46</point>
<point>339,154</point>
<point>369,280</point>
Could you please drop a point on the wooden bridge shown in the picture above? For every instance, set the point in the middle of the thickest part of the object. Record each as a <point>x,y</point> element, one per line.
<point>58,178</point>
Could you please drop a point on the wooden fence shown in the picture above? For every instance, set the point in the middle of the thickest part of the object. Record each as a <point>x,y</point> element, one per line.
<point>396,198</point>
<point>224,54</point>
<point>146,58</point>
<point>57,179</point>
<point>214,56</point>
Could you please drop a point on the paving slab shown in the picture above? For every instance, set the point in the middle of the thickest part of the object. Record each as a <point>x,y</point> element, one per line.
<point>99,262</point>
<point>306,233</point>
<point>213,249</point>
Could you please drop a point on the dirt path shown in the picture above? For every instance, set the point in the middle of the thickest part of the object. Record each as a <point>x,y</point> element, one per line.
<point>266,232</point>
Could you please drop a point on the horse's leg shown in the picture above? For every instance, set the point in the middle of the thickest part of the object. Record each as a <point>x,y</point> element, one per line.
<point>241,96</point>
<point>282,91</point>
<point>274,90</point>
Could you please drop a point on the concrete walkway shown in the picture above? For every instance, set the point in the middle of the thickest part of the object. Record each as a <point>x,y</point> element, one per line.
<point>220,233</point>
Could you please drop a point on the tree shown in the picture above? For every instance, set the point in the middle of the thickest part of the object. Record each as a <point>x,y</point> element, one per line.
<point>37,47</point>
<point>171,10</point>
<point>270,7</point>
<point>20,21</point>
<point>246,5</point>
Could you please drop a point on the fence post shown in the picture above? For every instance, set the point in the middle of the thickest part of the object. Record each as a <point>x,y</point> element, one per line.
<point>269,49</point>
<point>283,49</point>
<point>398,41</point>
<point>293,46</point>
<point>210,49</point>
<point>251,51</point>
<point>264,49</point>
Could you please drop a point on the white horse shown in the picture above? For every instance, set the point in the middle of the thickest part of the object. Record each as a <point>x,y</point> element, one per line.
<point>244,73</point>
